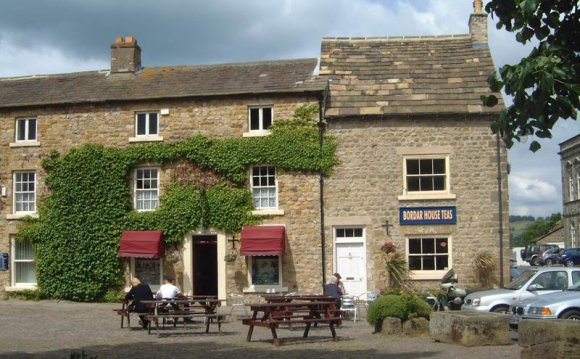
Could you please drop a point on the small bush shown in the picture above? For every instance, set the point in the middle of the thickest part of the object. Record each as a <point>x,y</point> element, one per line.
<point>27,294</point>
<point>113,296</point>
<point>404,306</point>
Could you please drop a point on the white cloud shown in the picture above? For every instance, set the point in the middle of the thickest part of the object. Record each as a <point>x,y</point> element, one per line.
<point>532,196</point>
<point>19,61</point>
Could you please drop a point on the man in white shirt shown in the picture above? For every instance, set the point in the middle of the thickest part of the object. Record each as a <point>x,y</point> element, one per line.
<point>168,290</point>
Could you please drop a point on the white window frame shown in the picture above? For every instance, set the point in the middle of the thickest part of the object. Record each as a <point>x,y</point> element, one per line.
<point>15,193</point>
<point>136,190</point>
<point>430,274</point>
<point>26,122</point>
<point>13,261</point>
<point>265,287</point>
<point>265,210</point>
<point>147,136</point>
<point>578,183</point>
<point>571,191</point>
<point>260,131</point>
<point>435,194</point>
<point>154,286</point>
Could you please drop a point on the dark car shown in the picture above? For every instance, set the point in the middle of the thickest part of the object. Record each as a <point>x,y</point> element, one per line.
<point>570,257</point>
<point>551,256</point>
<point>532,252</point>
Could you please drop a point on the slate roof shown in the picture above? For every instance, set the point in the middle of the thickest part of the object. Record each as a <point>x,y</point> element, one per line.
<point>287,76</point>
<point>406,75</point>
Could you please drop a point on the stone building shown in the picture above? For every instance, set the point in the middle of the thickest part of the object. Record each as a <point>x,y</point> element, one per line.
<point>570,159</point>
<point>418,164</point>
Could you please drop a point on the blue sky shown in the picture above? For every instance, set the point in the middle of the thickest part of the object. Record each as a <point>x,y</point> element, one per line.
<point>40,37</point>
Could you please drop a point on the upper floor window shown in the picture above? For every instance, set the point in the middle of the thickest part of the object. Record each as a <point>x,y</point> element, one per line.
<point>260,118</point>
<point>147,124</point>
<point>264,187</point>
<point>426,174</point>
<point>25,129</point>
<point>578,183</point>
<point>23,263</point>
<point>146,189</point>
<point>24,192</point>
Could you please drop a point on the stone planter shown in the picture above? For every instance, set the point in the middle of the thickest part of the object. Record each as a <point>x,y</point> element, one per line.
<point>470,328</point>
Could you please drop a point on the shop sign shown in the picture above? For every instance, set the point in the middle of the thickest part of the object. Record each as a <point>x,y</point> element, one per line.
<point>427,215</point>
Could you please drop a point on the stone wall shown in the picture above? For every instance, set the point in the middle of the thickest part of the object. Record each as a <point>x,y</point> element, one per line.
<point>63,128</point>
<point>366,186</point>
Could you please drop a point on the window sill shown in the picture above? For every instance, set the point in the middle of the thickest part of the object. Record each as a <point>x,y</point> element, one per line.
<point>256,133</point>
<point>21,215</point>
<point>426,275</point>
<point>20,287</point>
<point>25,144</point>
<point>265,289</point>
<point>426,196</point>
<point>268,212</point>
<point>146,139</point>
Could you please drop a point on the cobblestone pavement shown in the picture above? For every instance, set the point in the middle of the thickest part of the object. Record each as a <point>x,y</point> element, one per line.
<point>53,329</point>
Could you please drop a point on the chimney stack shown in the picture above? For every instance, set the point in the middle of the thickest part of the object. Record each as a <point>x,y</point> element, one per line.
<point>125,55</point>
<point>478,25</point>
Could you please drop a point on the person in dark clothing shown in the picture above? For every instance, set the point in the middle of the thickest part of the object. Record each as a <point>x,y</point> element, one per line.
<point>139,291</point>
<point>332,289</point>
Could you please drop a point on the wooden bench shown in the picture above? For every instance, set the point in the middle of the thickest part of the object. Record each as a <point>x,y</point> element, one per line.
<point>272,315</point>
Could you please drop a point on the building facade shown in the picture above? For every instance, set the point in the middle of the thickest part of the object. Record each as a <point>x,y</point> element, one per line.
<point>418,165</point>
<point>570,160</point>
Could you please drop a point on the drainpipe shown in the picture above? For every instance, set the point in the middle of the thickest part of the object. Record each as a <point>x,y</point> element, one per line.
<point>321,111</point>
<point>500,208</point>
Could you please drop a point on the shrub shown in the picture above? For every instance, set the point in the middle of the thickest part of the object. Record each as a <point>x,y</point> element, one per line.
<point>404,306</point>
<point>27,294</point>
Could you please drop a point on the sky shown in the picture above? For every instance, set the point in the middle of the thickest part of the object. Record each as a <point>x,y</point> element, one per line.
<point>60,36</point>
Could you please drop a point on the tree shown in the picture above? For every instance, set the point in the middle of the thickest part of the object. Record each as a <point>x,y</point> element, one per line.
<point>545,85</point>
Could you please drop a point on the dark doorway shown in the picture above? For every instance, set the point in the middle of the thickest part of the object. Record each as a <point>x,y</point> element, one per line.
<point>205,266</point>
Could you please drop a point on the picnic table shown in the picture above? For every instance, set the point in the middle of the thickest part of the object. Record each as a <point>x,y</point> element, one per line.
<point>271,315</point>
<point>187,309</point>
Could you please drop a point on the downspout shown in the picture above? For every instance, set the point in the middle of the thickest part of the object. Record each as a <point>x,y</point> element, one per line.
<point>500,208</point>
<point>321,112</point>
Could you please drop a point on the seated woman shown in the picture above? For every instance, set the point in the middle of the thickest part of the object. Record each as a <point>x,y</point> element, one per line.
<point>139,292</point>
<point>332,289</point>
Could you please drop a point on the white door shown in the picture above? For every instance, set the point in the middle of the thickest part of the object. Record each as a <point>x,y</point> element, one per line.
<point>351,265</point>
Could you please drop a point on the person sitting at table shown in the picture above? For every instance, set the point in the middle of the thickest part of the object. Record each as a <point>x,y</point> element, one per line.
<point>139,291</point>
<point>339,283</point>
<point>332,289</point>
<point>169,291</point>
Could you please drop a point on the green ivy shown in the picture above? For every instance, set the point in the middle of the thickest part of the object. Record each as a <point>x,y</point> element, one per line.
<point>76,236</point>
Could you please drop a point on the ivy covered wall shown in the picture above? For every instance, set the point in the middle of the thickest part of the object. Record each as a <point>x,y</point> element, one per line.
<point>76,236</point>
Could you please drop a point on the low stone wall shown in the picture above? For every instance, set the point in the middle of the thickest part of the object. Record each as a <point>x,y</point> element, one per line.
<point>549,339</point>
<point>470,328</point>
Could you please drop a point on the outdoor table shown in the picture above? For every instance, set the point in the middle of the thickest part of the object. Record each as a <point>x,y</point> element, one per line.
<point>271,315</point>
<point>185,308</point>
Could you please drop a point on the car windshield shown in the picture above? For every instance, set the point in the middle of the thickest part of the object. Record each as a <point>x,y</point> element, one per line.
<point>522,279</point>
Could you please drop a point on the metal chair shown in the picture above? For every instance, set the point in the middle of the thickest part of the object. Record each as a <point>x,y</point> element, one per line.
<point>348,305</point>
<point>363,300</point>
<point>238,301</point>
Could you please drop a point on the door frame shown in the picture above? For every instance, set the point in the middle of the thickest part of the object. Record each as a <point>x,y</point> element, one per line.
<point>188,274</point>
<point>348,240</point>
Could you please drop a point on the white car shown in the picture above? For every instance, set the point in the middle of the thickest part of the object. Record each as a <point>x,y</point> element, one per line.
<point>561,305</point>
<point>532,283</point>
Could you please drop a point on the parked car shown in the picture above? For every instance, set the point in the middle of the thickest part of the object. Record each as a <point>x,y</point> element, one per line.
<point>551,256</point>
<point>532,252</point>
<point>532,283</point>
<point>570,257</point>
<point>560,305</point>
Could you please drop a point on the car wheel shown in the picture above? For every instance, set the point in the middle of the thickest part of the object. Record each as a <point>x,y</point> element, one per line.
<point>571,314</point>
<point>502,309</point>
<point>534,261</point>
<point>569,263</point>
<point>549,262</point>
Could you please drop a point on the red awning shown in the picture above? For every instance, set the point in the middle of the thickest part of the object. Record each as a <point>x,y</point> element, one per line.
<point>263,240</point>
<point>142,244</point>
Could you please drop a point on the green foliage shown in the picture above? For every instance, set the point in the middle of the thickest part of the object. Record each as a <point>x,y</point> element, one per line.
<point>403,305</point>
<point>544,84</point>
<point>76,236</point>
<point>533,230</point>
<point>27,294</point>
